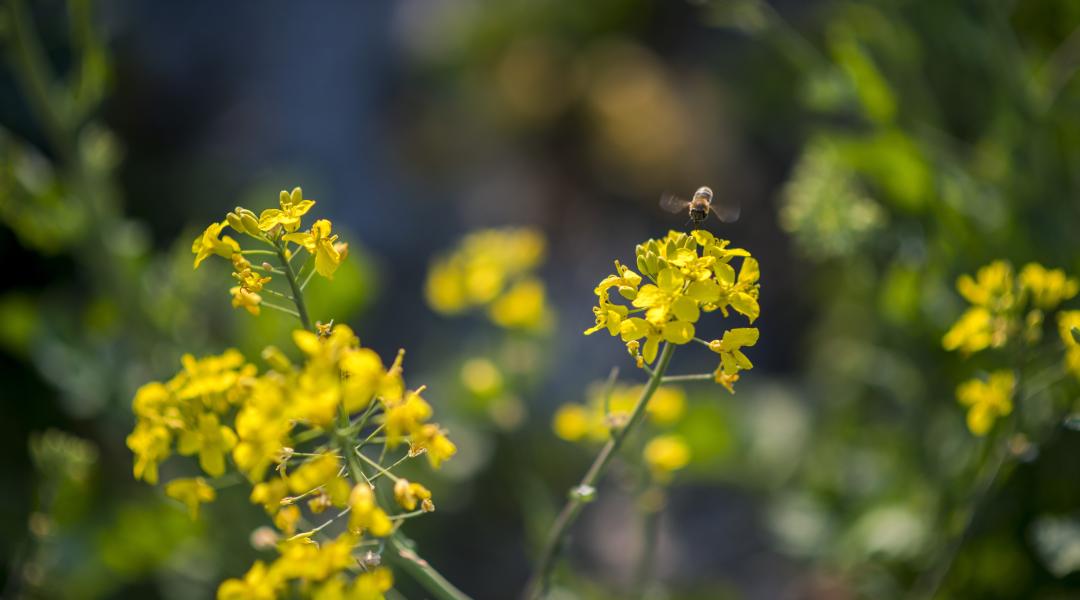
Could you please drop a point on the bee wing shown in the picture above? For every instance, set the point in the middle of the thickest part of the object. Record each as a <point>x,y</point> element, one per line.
<point>672,203</point>
<point>726,210</point>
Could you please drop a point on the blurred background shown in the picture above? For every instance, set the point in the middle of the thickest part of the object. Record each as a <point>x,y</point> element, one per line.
<point>878,150</point>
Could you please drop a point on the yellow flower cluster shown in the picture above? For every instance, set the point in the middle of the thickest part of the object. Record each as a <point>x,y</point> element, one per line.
<point>999,299</point>
<point>688,274</point>
<point>221,407</point>
<point>987,400</point>
<point>493,269</point>
<point>608,409</point>
<point>1007,308</point>
<point>322,568</point>
<point>275,228</point>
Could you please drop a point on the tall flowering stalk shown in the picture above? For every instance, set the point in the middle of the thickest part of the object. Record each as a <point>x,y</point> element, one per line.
<point>687,275</point>
<point>317,440</point>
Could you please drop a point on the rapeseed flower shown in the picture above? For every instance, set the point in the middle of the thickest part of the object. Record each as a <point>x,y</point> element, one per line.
<point>987,400</point>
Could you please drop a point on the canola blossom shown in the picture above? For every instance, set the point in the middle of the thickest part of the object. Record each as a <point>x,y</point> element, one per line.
<point>300,433</point>
<point>682,276</point>
<point>1008,310</point>
<point>493,270</point>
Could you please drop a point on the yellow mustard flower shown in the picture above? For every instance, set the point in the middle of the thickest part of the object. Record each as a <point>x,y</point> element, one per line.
<point>494,269</point>
<point>192,491</point>
<point>211,242</point>
<point>430,439</point>
<point>665,454</point>
<point>211,441</point>
<point>365,515</point>
<point>1048,287</point>
<point>1067,321</point>
<point>992,287</point>
<point>690,274</point>
<point>315,473</point>
<point>328,252</point>
<point>151,444</point>
<point>729,347</point>
<point>287,518</point>
<point>270,494</point>
<point>987,400</point>
<point>293,206</point>
<point>258,584</point>
<point>575,422</point>
<point>371,585</point>
<point>408,494</point>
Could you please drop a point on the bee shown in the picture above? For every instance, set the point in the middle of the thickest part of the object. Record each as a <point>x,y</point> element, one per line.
<point>699,206</point>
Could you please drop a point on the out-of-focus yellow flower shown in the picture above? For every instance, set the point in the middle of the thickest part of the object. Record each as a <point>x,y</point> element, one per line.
<point>493,269</point>
<point>992,287</point>
<point>665,454</point>
<point>270,494</point>
<point>574,422</point>
<point>211,242</point>
<point>248,300</point>
<point>987,400</point>
<point>1048,287</point>
<point>690,274</point>
<point>365,515</point>
<point>258,584</point>
<point>315,473</point>
<point>287,518</point>
<point>1067,321</point>
<point>975,330</point>
<point>404,416</point>
<point>371,585</point>
<point>523,306</point>
<point>481,377</point>
<point>192,491</point>
<point>408,494</point>
<point>293,206</point>
<point>328,252</point>
<point>151,445</point>
<point>211,440</point>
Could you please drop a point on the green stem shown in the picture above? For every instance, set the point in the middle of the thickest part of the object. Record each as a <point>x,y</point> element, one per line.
<point>581,494</point>
<point>400,550</point>
<point>698,377</point>
<point>298,294</point>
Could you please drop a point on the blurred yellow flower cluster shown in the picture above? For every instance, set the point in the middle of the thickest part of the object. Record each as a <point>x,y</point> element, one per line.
<point>1008,308</point>
<point>987,400</point>
<point>493,269</point>
<point>606,409</point>
<point>688,274</point>
<point>279,230</point>
<point>999,298</point>
<point>220,407</point>
<point>322,568</point>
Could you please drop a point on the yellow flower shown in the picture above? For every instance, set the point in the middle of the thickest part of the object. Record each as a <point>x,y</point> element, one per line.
<point>992,286</point>
<point>574,422</point>
<point>314,473</point>
<point>211,440</point>
<point>250,280</point>
<point>523,306</point>
<point>258,584</point>
<point>407,494</point>
<point>287,518</point>
<point>328,252</point>
<point>987,400</point>
<point>365,515</point>
<point>691,274</point>
<point>666,454</point>
<point>430,439</point>
<point>975,330</point>
<point>493,269</point>
<point>1067,321</point>
<point>372,584</point>
<point>192,492</point>
<point>246,299</point>
<point>151,445</point>
<point>1048,287</point>
<point>270,494</point>
<point>293,206</point>
<point>212,242</point>
<point>732,359</point>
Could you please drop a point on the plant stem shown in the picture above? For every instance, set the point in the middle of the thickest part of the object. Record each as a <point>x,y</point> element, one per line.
<point>297,293</point>
<point>698,377</point>
<point>400,549</point>
<point>538,584</point>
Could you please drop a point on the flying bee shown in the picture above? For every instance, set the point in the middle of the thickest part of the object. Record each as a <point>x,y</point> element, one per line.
<point>700,205</point>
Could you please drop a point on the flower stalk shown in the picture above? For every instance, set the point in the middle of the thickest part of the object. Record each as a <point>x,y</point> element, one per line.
<point>581,494</point>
